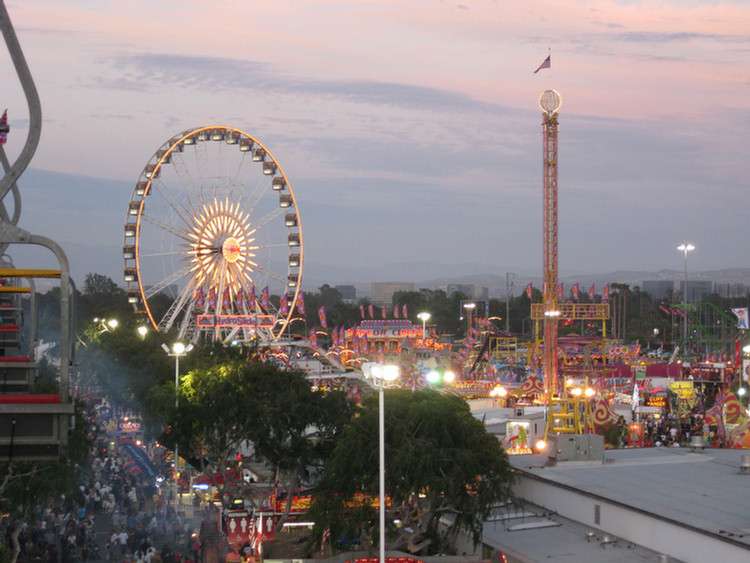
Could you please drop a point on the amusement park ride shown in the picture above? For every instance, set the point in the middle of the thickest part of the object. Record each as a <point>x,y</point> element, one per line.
<point>214,224</point>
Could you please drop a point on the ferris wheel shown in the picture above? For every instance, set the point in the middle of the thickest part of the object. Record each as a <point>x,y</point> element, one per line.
<point>213,243</point>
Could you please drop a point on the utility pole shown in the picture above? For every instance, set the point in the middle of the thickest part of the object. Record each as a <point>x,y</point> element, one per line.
<point>509,276</point>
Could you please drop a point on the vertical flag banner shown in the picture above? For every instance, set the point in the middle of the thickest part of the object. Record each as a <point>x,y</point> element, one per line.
<point>362,311</point>
<point>251,299</point>
<point>322,316</point>
<point>226,301</point>
<point>383,313</point>
<point>605,292</point>
<point>301,303</point>
<point>529,291</point>
<point>284,305</point>
<point>546,64</point>
<point>335,337</point>
<point>741,314</point>
<point>575,291</point>
<point>264,301</point>
<point>240,298</point>
<point>404,311</point>
<point>591,292</point>
<point>371,310</point>
<point>199,298</point>
<point>212,297</point>
<point>4,127</point>
<point>560,291</point>
<point>395,312</point>
<point>313,338</point>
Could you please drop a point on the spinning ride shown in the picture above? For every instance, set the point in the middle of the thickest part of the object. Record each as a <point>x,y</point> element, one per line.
<point>213,242</point>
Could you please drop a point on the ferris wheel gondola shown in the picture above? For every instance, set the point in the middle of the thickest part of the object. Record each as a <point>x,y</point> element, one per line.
<point>213,242</point>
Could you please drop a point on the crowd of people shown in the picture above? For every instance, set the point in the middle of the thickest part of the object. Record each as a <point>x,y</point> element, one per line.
<point>116,515</point>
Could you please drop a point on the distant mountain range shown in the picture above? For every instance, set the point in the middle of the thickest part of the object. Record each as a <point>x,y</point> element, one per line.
<point>431,275</point>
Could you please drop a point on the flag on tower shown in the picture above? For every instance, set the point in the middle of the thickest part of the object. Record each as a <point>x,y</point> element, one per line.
<point>545,64</point>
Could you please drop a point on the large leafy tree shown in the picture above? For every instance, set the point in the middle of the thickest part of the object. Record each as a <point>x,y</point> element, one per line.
<point>440,461</point>
<point>239,402</point>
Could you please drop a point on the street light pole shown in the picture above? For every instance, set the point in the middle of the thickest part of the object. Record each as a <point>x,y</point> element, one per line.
<point>178,349</point>
<point>685,248</point>
<point>381,376</point>
<point>424,317</point>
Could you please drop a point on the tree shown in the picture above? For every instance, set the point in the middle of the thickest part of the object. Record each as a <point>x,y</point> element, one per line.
<point>225,407</point>
<point>440,461</point>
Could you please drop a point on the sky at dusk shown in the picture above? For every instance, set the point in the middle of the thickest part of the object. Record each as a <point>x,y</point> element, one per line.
<point>409,130</point>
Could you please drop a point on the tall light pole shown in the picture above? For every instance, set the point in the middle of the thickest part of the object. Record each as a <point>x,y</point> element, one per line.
<point>178,349</point>
<point>381,376</point>
<point>424,317</point>
<point>509,276</point>
<point>469,310</point>
<point>685,248</point>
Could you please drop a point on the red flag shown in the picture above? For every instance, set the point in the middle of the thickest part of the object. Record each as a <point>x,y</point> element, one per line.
<point>301,303</point>
<point>251,298</point>
<point>591,292</point>
<point>605,292</point>
<point>529,290</point>
<point>322,317</point>
<point>575,291</point>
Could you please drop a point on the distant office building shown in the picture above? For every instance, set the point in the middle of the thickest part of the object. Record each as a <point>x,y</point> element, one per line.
<point>382,292</point>
<point>697,290</point>
<point>347,292</point>
<point>658,289</point>
<point>470,290</point>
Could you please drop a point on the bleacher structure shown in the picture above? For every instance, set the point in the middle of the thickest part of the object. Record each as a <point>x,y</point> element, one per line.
<point>33,427</point>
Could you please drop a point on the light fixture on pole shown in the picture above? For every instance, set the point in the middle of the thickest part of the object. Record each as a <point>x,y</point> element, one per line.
<point>469,310</point>
<point>424,317</point>
<point>381,376</point>
<point>685,248</point>
<point>178,349</point>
